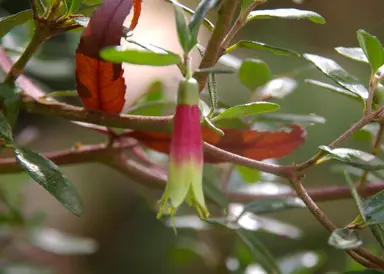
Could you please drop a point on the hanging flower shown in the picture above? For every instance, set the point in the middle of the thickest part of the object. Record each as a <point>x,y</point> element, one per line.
<point>185,175</point>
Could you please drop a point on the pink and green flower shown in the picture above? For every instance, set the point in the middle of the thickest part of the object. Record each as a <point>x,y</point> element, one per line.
<point>185,174</point>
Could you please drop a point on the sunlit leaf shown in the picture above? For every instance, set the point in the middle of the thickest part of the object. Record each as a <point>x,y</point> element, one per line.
<point>334,71</point>
<point>9,22</point>
<point>246,110</point>
<point>182,29</point>
<point>198,18</point>
<point>356,54</point>
<point>345,238</point>
<point>138,57</point>
<point>206,22</point>
<point>254,73</point>
<point>262,46</point>
<point>354,158</point>
<point>60,243</point>
<point>48,175</point>
<point>372,49</point>
<point>286,14</point>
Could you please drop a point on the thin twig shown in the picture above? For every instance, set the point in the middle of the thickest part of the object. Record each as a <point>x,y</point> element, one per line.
<point>353,129</point>
<point>213,52</point>
<point>375,150</point>
<point>328,225</point>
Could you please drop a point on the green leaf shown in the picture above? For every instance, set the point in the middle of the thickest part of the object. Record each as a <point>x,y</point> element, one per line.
<point>286,14</point>
<point>259,252</point>
<point>5,129</point>
<point>365,271</point>
<point>273,204</point>
<point>246,110</point>
<point>355,195</point>
<point>10,98</point>
<point>9,22</point>
<point>293,118</point>
<point>198,18</point>
<point>353,157</point>
<point>262,46</point>
<point>182,29</point>
<point>332,88</point>
<point>57,242</point>
<point>211,187</point>
<point>374,208</point>
<point>137,57</point>
<point>152,108</point>
<point>372,49</point>
<point>345,238</point>
<point>378,232</point>
<point>206,22</point>
<point>254,73</point>
<point>88,11</point>
<point>249,175</point>
<point>334,71</point>
<point>356,54</point>
<point>48,175</point>
<point>73,5</point>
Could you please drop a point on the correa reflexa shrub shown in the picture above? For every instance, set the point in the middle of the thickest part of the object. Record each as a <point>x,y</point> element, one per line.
<point>203,138</point>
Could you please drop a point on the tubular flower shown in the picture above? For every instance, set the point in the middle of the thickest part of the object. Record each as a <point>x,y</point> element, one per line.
<point>185,174</point>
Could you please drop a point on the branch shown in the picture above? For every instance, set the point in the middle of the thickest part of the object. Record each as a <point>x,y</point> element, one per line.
<point>214,49</point>
<point>146,175</point>
<point>353,129</point>
<point>328,225</point>
<point>69,112</point>
<point>284,171</point>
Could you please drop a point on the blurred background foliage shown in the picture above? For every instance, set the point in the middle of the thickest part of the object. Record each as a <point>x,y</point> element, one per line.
<point>119,212</point>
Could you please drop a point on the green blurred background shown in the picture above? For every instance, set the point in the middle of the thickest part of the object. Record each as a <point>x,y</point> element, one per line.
<point>118,211</point>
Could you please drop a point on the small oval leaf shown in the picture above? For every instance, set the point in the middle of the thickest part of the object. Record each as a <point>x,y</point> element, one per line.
<point>372,49</point>
<point>334,71</point>
<point>9,22</point>
<point>246,110</point>
<point>254,73</point>
<point>286,14</point>
<point>345,238</point>
<point>354,157</point>
<point>48,175</point>
<point>138,57</point>
<point>356,54</point>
